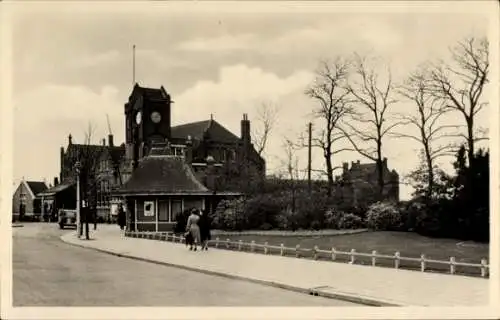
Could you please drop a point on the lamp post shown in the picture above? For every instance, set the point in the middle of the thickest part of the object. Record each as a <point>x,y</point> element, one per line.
<point>77,169</point>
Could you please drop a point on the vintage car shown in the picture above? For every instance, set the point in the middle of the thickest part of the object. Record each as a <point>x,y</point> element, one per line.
<point>67,218</point>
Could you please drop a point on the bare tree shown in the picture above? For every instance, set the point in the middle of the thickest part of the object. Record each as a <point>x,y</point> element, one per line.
<point>266,120</point>
<point>329,90</point>
<point>88,155</point>
<point>291,164</point>
<point>460,84</point>
<point>426,119</point>
<point>369,124</point>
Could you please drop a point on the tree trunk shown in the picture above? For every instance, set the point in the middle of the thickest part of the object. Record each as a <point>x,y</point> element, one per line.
<point>380,171</point>
<point>430,172</point>
<point>87,223</point>
<point>470,140</point>
<point>329,166</point>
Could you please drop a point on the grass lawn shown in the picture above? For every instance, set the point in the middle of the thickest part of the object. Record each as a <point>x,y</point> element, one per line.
<point>408,244</point>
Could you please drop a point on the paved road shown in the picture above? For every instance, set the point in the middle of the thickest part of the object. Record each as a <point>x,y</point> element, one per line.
<point>48,272</point>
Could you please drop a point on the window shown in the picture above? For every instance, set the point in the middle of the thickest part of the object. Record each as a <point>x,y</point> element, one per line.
<point>176,209</point>
<point>149,208</point>
<point>178,151</point>
<point>163,210</point>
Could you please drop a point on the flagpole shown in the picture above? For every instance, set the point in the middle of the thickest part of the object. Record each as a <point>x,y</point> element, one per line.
<point>133,65</point>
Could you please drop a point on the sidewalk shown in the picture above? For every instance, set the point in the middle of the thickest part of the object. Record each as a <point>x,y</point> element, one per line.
<point>360,284</point>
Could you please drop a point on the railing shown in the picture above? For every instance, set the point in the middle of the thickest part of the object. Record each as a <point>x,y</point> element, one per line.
<point>317,253</point>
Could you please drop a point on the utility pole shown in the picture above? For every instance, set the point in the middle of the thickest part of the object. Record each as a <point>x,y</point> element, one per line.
<point>78,226</point>
<point>309,158</point>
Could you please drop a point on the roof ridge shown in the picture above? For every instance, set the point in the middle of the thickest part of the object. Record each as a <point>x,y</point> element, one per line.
<point>190,123</point>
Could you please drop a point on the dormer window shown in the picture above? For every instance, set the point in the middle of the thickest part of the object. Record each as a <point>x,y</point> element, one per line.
<point>178,150</point>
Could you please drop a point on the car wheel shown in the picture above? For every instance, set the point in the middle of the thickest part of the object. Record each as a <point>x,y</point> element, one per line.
<point>61,226</point>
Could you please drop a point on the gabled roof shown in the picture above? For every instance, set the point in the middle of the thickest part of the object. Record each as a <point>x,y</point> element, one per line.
<point>54,190</point>
<point>93,148</point>
<point>37,186</point>
<point>198,129</point>
<point>116,153</point>
<point>163,175</point>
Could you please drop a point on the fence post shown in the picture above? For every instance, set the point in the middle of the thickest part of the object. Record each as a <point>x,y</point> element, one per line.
<point>282,249</point>
<point>452,265</point>
<point>422,262</point>
<point>397,256</point>
<point>297,251</point>
<point>227,243</point>
<point>240,243</point>
<point>217,242</point>
<point>252,246</point>
<point>315,252</point>
<point>374,258</point>
<point>334,255</point>
<point>353,257</point>
<point>266,249</point>
<point>484,264</point>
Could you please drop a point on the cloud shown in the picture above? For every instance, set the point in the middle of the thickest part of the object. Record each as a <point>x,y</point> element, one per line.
<point>220,43</point>
<point>239,89</point>
<point>94,60</point>
<point>44,116</point>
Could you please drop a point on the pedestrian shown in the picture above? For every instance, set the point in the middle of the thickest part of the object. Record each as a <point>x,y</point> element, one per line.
<point>193,228</point>
<point>205,226</point>
<point>121,216</point>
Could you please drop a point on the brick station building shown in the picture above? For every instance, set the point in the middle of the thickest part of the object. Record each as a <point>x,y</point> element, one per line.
<point>147,112</point>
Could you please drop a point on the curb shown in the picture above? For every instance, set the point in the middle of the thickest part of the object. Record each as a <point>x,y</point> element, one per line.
<point>302,233</point>
<point>17,225</point>
<point>368,301</point>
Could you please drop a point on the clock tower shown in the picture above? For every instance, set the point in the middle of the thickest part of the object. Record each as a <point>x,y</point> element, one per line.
<point>147,120</point>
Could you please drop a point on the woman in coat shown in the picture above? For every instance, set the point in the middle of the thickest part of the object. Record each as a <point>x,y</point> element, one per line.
<point>193,228</point>
<point>204,230</point>
<point>121,216</point>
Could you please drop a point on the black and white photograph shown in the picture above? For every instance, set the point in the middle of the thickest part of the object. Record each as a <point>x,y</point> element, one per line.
<point>249,154</point>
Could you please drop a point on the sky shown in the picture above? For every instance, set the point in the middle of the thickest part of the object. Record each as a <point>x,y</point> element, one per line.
<point>73,66</point>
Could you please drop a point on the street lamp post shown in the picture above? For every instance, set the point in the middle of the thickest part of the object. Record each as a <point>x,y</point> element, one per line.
<point>78,226</point>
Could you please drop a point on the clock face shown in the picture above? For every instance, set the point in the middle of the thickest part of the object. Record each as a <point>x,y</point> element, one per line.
<point>138,117</point>
<point>156,117</point>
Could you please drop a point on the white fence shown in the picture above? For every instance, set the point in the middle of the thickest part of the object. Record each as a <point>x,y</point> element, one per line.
<point>317,253</point>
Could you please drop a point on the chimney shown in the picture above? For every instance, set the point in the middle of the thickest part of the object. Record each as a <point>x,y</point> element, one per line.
<point>70,139</point>
<point>103,142</point>
<point>189,150</point>
<point>245,129</point>
<point>56,181</point>
<point>110,140</point>
<point>345,166</point>
<point>384,162</point>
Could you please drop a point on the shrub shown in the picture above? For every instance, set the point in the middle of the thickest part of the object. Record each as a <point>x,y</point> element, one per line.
<point>262,210</point>
<point>287,220</point>
<point>332,218</point>
<point>229,215</point>
<point>383,216</point>
<point>350,221</point>
<point>266,226</point>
